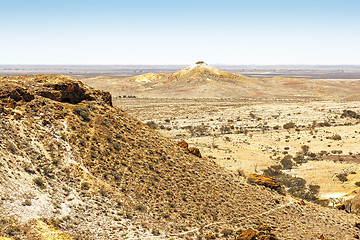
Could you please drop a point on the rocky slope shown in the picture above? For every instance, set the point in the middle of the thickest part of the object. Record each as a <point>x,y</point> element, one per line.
<point>74,166</point>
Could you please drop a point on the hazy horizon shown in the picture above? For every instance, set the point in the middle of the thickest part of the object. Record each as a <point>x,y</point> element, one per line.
<point>160,32</point>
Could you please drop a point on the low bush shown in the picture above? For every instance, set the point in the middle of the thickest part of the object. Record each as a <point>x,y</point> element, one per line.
<point>289,125</point>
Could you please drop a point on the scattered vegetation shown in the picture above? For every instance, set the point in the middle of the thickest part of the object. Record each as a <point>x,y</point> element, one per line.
<point>296,186</point>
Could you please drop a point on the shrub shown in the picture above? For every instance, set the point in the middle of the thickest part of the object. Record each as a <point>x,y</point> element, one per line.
<point>342,177</point>
<point>287,163</point>
<point>309,193</point>
<point>152,124</point>
<point>357,184</point>
<point>227,232</point>
<point>225,129</point>
<point>273,171</point>
<point>305,149</point>
<point>197,131</point>
<point>336,137</point>
<point>39,182</point>
<point>289,125</point>
<point>299,159</point>
<point>140,207</point>
<point>240,172</point>
<point>350,114</point>
<point>324,124</point>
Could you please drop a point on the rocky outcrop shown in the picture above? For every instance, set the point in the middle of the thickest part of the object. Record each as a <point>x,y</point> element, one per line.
<point>263,233</point>
<point>195,151</point>
<point>183,144</point>
<point>263,180</point>
<point>248,234</point>
<point>351,205</point>
<point>55,87</point>
<point>15,92</point>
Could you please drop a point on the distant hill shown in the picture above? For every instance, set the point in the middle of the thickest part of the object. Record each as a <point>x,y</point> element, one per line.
<point>75,167</point>
<point>201,80</point>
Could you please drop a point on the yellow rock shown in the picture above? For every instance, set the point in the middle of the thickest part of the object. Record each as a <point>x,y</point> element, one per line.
<point>46,231</point>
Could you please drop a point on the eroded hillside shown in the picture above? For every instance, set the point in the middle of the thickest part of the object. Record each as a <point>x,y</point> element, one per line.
<point>71,161</point>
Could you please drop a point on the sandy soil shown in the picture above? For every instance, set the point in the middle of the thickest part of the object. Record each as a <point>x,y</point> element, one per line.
<point>253,144</point>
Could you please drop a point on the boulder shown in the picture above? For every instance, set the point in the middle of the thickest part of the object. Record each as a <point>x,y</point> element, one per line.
<point>195,151</point>
<point>183,144</point>
<point>263,180</point>
<point>248,234</point>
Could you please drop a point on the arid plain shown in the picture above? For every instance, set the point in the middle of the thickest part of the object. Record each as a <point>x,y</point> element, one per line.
<point>298,134</point>
<point>237,117</point>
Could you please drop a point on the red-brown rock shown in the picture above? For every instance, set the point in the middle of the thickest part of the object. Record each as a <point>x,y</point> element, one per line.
<point>183,144</point>
<point>248,234</point>
<point>263,180</point>
<point>195,151</point>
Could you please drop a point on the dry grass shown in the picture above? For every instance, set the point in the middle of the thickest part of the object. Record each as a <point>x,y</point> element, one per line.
<point>107,175</point>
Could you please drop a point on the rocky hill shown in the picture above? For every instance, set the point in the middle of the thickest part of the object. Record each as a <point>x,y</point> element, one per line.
<point>75,167</point>
<point>201,80</point>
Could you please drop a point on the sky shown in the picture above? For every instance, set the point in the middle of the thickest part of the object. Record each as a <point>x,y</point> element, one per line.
<point>150,32</point>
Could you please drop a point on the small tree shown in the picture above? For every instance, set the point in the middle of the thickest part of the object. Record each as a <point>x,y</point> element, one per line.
<point>342,177</point>
<point>287,162</point>
<point>305,149</point>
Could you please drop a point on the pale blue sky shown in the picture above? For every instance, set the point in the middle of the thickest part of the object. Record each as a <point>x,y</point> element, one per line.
<point>179,32</point>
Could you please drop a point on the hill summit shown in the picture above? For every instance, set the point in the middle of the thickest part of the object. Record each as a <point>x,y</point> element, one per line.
<point>198,72</point>
<point>201,71</point>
